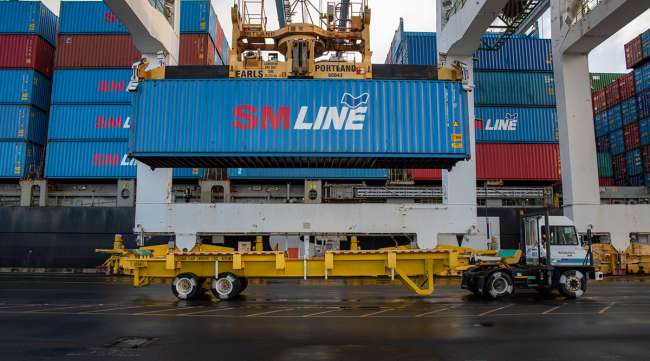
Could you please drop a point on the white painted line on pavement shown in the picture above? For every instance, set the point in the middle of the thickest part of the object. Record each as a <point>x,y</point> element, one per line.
<point>321,313</point>
<point>206,311</point>
<point>495,310</point>
<point>268,312</point>
<point>376,313</point>
<point>606,308</point>
<point>552,309</point>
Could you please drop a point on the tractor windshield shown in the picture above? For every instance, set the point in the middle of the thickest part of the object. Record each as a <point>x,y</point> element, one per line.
<point>562,235</point>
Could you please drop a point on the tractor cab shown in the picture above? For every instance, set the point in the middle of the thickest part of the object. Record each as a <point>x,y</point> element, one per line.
<point>565,246</point>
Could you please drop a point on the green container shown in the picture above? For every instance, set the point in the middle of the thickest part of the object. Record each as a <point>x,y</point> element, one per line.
<point>605,169</point>
<point>601,80</point>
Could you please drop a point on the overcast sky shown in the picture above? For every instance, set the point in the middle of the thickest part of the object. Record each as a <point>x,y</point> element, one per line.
<point>419,15</point>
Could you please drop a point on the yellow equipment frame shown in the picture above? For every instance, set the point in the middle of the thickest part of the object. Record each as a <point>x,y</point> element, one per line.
<point>415,268</point>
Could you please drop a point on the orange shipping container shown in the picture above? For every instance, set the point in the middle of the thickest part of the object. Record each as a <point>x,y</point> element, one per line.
<point>196,49</point>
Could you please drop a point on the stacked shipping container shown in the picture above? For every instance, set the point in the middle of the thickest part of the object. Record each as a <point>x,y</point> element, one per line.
<point>90,117</point>
<point>516,121</point>
<point>27,42</point>
<point>621,115</point>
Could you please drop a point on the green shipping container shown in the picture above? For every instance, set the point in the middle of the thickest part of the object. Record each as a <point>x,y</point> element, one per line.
<point>601,80</point>
<point>605,169</point>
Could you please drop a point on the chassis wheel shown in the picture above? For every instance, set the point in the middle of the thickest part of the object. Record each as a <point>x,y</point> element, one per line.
<point>186,286</point>
<point>499,284</point>
<point>226,286</point>
<point>243,282</point>
<point>573,284</point>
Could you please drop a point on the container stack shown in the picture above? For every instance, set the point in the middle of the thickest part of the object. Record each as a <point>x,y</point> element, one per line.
<point>516,120</point>
<point>27,43</point>
<point>621,109</point>
<point>203,41</point>
<point>90,118</point>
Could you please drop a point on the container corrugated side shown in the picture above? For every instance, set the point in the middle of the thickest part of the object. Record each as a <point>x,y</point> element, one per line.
<point>274,123</point>
<point>518,53</point>
<point>95,51</point>
<point>24,87</point>
<point>645,44</point>
<point>645,153</point>
<point>22,123</point>
<point>604,161</point>
<point>599,101</point>
<point>91,86</point>
<point>89,17</point>
<point>602,144</point>
<point>516,125</point>
<point>634,162</point>
<point>96,160</point>
<point>619,164</point>
<point>642,77</point>
<point>601,123</point>
<point>85,122</point>
<point>28,17</point>
<point>601,80</point>
<point>632,136</point>
<point>633,52</point>
<point>198,16</point>
<point>629,112</point>
<point>614,118</point>
<point>514,88</point>
<point>20,159</point>
<point>26,52</point>
<point>197,49</point>
<point>643,103</point>
<point>644,130</point>
<point>221,43</point>
<point>626,86</point>
<point>306,173</point>
<point>421,48</point>
<point>613,94</point>
<point>616,142</point>
<point>510,162</point>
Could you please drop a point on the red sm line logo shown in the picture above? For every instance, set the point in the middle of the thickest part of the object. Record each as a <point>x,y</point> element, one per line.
<point>351,115</point>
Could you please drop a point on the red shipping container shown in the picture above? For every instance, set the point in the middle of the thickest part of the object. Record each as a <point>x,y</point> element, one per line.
<point>626,86</point>
<point>95,51</point>
<point>613,94</point>
<point>620,167</point>
<point>26,52</point>
<point>631,136</point>
<point>606,182</point>
<point>197,49</point>
<point>633,52</point>
<point>645,151</point>
<point>514,162</point>
<point>599,101</point>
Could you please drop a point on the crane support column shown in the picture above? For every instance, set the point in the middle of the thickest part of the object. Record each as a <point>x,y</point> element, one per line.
<point>577,28</point>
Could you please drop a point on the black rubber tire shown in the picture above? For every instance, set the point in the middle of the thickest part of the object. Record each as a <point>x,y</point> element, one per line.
<point>498,285</point>
<point>225,286</point>
<point>243,283</point>
<point>572,284</point>
<point>186,286</point>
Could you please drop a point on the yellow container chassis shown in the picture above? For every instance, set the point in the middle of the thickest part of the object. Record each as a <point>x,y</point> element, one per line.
<point>226,272</point>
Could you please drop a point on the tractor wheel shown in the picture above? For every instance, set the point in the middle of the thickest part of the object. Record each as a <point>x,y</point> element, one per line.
<point>226,286</point>
<point>573,284</point>
<point>186,286</point>
<point>498,285</point>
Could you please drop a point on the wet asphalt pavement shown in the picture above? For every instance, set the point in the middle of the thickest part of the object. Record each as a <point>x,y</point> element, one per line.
<point>99,318</point>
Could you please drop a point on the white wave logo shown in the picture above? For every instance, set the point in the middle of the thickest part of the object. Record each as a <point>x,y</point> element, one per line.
<point>353,102</point>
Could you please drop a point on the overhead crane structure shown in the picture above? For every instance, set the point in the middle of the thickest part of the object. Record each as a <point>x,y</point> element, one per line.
<point>578,26</point>
<point>305,43</point>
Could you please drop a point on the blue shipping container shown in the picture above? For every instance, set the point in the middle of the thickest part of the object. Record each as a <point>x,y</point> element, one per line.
<point>299,123</point>
<point>25,87</point>
<point>644,129</point>
<point>643,102</point>
<point>20,159</point>
<point>601,123</point>
<point>647,180</point>
<point>89,17</point>
<point>634,162</point>
<point>198,16</point>
<point>97,86</point>
<point>514,88</point>
<point>628,111</point>
<point>517,53</point>
<point>97,160</point>
<point>616,142</point>
<point>71,122</point>
<point>22,123</point>
<point>28,17</point>
<point>307,173</point>
<point>642,77</point>
<point>615,118</point>
<point>636,181</point>
<point>645,44</point>
<point>516,125</point>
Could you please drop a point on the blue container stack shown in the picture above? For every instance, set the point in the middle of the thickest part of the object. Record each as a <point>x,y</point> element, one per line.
<point>514,91</point>
<point>24,94</point>
<point>91,108</point>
